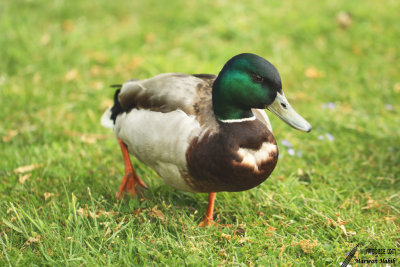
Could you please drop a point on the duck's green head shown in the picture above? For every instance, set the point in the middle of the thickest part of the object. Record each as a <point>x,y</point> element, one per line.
<point>249,81</point>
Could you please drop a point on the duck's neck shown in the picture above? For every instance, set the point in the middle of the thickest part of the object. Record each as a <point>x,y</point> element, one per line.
<point>225,107</point>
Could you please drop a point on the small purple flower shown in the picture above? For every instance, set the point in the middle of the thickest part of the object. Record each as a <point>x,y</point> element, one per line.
<point>321,137</point>
<point>291,151</point>
<point>330,137</point>
<point>286,143</point>
<point>329,105</point>
<point>389,107</point>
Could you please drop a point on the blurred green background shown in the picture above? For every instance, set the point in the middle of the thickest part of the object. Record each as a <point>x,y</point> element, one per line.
<point>332,188</point>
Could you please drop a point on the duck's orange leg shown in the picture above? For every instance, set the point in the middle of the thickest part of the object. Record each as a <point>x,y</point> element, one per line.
<point>208,219</point>
<point>131,180</point>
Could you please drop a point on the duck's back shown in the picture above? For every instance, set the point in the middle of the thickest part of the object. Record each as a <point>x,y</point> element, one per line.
<point>163,93</point>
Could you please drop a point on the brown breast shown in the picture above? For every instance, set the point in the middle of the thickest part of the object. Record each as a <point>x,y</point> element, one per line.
<point>239,157</point>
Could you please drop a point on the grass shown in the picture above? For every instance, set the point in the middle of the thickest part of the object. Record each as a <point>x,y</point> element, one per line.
<point>57,59</point>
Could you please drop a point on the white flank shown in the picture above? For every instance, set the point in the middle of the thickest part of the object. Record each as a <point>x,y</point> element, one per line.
<point>253,157</point>
<point>159,140</point>
<point>106,120</point>
<point>239,120</point>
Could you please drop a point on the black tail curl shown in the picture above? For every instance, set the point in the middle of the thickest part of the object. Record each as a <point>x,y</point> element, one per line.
<point>117,108</point>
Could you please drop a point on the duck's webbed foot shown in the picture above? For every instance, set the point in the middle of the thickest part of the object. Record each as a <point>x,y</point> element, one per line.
<point>131,181</point>
<point>208,219</point>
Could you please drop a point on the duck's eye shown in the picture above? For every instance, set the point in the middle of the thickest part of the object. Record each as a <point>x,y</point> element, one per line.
<point>258,78</point>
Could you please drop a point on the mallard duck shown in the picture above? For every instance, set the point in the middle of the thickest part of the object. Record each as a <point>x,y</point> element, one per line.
<point>201,132</point>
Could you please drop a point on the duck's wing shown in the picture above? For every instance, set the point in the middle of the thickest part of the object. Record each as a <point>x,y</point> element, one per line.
<point>164,93</point>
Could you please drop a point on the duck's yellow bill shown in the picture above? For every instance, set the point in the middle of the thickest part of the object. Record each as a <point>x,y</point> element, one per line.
<point>281,108</point>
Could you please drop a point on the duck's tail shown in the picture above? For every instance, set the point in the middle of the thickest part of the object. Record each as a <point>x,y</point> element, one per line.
<point>110,115</point>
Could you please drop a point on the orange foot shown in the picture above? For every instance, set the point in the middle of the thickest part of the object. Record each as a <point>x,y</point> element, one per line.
<point>207,222</point>
<point>130,184</point>
<point>131,180</point>
<point>208,219</point>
